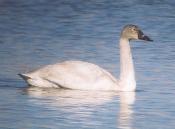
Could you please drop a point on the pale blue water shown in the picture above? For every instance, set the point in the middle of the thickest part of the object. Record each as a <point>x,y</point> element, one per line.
<point>33,34</point>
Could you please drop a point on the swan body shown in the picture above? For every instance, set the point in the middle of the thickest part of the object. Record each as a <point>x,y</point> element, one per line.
<point>73,75</point>
<point>87,76</point>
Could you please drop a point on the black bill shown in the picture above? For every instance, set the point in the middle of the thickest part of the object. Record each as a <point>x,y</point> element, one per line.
<point>141,36</point>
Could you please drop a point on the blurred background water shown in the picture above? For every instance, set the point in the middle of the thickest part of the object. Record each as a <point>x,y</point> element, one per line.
<point>36,33</point>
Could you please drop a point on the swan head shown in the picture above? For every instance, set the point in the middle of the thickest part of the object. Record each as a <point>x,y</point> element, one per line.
<point>133,32</point>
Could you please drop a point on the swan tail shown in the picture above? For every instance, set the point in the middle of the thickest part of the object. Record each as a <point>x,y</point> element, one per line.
<point>24,76</point>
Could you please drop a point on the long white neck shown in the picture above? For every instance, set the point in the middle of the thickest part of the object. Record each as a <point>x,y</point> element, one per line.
<point>127,74</point>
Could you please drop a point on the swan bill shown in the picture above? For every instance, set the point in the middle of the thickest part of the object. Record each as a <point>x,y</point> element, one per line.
<point>141,36</point>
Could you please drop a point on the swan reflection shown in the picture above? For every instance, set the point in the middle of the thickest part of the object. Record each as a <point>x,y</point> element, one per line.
<point>83,104</point>
<point>127,99</point>
<point>64,97</point>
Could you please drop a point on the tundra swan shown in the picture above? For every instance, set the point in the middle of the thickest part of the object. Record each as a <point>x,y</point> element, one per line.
<point>87,76</point>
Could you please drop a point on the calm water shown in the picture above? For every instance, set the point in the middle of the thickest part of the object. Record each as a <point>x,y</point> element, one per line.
<point>33,34</point>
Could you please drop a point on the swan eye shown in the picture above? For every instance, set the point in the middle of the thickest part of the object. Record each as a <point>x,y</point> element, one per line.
<point>133,29</point>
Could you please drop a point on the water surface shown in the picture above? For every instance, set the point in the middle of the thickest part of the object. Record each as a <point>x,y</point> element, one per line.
<point>37,33</point>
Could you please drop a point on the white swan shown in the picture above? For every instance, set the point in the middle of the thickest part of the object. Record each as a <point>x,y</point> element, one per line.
<point>86,76</point>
